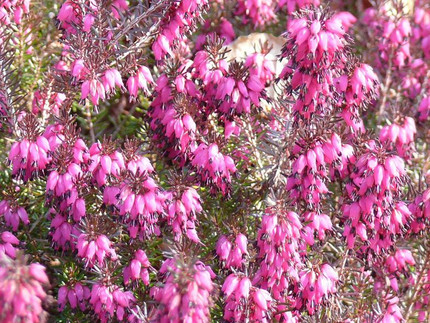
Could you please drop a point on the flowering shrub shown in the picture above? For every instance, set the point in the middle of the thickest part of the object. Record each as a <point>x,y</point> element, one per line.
<point>211,161</point>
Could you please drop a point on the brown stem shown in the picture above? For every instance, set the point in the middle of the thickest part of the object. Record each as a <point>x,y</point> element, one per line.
<point>90,122</point>
<point>386,87</point>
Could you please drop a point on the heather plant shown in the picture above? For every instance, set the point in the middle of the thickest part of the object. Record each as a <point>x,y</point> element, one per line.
<point>214,161</point>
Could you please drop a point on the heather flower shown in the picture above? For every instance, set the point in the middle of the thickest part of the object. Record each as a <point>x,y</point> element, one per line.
<point>68,179</point>
<point>182,212</point>
<point>94,249</point>
<point>362,85</point>
<point>8,243</point>
<point>93,89</point>
<point>232,250</point>
<point>396,264</point>
<point>76,295</point>
<point>316,52</point>
<point>346,18</point>
<point>359,89</point>
<point>21,291</point>
<point>392,312</point>
<point>420,209</point>
<point>261,65</point>
<point>313,159</point>
<point>13,10</point>
<point>424,108</point>
<point>140,80</point>
<point>180,19</point>
<point>240,294</point>
<point>185,295</point>
<point>259,12</point>
<point>44,105</point>
<point>138,268</point>
<point>78,69</point>
<point>31,155</point>
<point>238,90</point>
<point>393,34</point>
<point>279,240</point>
<point>213,167</point>
<point>319,223</point>
<point>137,196</point>
<point>174,127</point>
<point>226,31</point>
<point>317,284</point>
<point>401,135</point>
<point>63,232</point>
<point>73,17</point>
<point>374,211</point>
<point>105,161</point>
<point>111,79</point>
<point>109,301</point>
<point>13,214</point>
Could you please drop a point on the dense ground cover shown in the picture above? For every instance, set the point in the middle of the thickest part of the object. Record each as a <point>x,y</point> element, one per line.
<point>211,161</point>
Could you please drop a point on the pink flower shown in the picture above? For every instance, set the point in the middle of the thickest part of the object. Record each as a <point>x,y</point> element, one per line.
<point>232,254</point>
<point>239,291</point>
<point>94,249</point>
<point>316,285</point>
<point>259,12</point>
<point>110,301</point>
<point>8,243</point>
<point>13,214</point>
<point>213,166</point>
<point>31,155</point>
<point>94,89</point>
<point>111,79</point>
<point>373,207</point>
<point>141,80</point>
<point>138,268</point>
<point>401,136</point>
<point>21,290</point>
<point>185,296</point>
<point>75,295</point>
<point>182,212</point>
<point>315,46</point>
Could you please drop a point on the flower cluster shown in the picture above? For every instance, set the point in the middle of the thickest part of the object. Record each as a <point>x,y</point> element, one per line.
<point>175,24</point>
<point>110,301</point>
<point>375,213</point>
<point>146,151</point>
<point>138,268</point>
<point>393,36</point>
<point>259,12</point>
<point>420,209</point>
<point>316,51</point>
<point>232,254</point>
<point>137,197</point>
<point>317,284</point>
<point>185,296</point>
<point>76,295</point>
<point>15,9</point>
<point>182,213</point>
<point>401,136</point>
<point>94,249</point>
<point>279,241</point>
<point>30,156</point>
<point>13,214</point>
<point>21,290</point>
<point>8,243</point>
<point>397,264</point>
<point>240,295</point>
